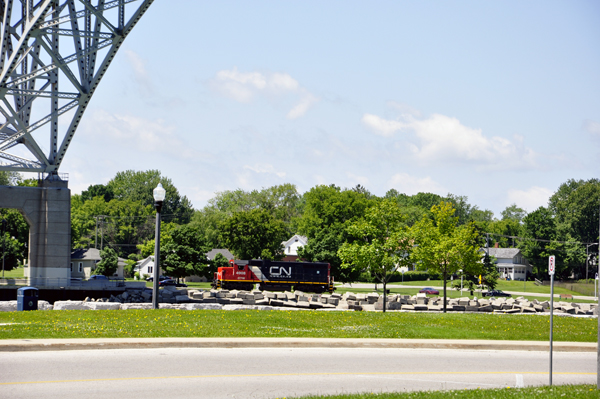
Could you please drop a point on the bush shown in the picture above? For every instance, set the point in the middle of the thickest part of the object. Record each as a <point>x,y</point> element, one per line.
<point>136,275</point>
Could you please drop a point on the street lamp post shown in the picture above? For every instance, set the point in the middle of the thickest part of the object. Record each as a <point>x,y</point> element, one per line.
<point>159,197</point>
<point>587,258</point>
<point>3,245</point>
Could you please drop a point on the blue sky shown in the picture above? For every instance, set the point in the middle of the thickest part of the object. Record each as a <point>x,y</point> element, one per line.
<point>497,101</point>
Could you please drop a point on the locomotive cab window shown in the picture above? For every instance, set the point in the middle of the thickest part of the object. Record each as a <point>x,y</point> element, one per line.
<point>240,267</point>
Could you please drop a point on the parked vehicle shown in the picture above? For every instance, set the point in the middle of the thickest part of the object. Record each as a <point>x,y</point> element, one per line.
<point>429,291</point>
<point>496,293</point>
<point>171,282</point>
<point>160,278</point>
<point>98,277</point>
<point>274,276</point>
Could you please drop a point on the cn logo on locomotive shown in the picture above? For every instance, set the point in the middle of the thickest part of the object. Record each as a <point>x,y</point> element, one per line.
<point>279,271</point>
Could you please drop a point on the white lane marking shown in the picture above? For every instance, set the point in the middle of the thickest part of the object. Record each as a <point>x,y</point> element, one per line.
<point>519,383</point>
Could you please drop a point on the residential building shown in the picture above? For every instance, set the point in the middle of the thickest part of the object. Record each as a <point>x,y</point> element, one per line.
<point>290,247</point>
<point>511,263</point>
<point>145,267</point>
<point>83,263</point>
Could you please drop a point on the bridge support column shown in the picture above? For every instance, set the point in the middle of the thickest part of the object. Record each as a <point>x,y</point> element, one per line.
<point>47,210</point>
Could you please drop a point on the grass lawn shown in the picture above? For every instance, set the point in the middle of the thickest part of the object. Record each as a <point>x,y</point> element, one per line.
<point>543,392</point>
<point>281,323</point>
<point>14,273</point>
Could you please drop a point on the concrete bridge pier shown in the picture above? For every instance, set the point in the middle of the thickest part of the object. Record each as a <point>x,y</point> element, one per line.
<point>47,210</point>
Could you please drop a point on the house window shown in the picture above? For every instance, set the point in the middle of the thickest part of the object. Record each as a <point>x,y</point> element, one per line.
<point>71,267</point>
<point>80,267</point>
<point>149,269</point>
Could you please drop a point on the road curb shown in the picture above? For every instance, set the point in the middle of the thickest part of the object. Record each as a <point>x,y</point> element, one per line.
<point>26,345</point>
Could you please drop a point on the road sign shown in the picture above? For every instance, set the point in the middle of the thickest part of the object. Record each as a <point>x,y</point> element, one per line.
<point>551,265</point>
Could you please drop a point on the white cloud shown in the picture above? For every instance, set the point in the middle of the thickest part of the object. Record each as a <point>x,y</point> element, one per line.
<point>245,86</point>
<point>530,199</point>
<point>137,134</point>
<point>138,65</point>
<point>444,139</point>
<point>382,126</point>
<point>305,103</point>
<point>591,127</point>
<point>264,168</point>
<point>411,185</point>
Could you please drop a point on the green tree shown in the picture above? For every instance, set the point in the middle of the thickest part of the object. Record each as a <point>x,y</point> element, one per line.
<point>382,243</point>
<point>443,247</point>
<point>11,250</point>
<point>328,211</point>
<point>539,229</point>
<point>109,263</point>
<point>147,247</point>
<point>184,255</point>
<point>513,212</point>
<point>490,274</point>
<point>139,186</point>
<point>15,228</point>
<point>9,178</point>
<point>253,234</point>
<point>281,201</point>
<point>97,190</point>
<point>575,206</point>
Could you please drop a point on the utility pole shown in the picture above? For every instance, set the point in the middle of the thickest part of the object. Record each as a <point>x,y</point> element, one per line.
<point>96,243</point>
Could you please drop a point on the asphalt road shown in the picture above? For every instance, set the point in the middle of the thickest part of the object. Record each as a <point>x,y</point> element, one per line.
<point>275,372</point>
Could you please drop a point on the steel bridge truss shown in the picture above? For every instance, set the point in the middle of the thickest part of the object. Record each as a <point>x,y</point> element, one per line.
<point>54,54</point>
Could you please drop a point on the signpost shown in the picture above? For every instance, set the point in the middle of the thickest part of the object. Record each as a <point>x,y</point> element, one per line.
<point>551,267</point>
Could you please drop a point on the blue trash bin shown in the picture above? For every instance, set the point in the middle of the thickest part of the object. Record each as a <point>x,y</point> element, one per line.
<point>27,298</point>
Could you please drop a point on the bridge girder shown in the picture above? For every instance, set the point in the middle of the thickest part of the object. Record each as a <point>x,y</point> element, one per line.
<point>53,55</point>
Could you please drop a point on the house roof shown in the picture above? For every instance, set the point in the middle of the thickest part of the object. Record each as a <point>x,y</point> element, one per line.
<point>504,252</point>
<point>86,254</point>
<point>213,252</point>
<point>295,237</point>
<point>144,262</point>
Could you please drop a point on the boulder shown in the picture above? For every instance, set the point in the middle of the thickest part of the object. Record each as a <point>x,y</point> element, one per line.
<point>127,306</point>
<point>69,305</point>
<point>209,306</point>
<point>102,306</point>
<point>9,306</point>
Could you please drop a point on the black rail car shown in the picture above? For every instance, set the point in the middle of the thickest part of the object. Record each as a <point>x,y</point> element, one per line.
<point>275,276</point>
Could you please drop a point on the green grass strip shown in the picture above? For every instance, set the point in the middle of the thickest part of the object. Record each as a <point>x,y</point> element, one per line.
<point>282,323</point>
<point>543,392</point>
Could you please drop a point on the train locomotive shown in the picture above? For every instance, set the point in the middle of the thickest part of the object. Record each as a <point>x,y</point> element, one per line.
<point>274,276</point>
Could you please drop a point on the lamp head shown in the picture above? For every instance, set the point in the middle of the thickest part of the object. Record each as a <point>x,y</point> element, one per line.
<point>159,193</point>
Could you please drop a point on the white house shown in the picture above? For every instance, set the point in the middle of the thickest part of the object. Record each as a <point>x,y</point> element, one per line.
<point>511,263</point>
<point>145,267</point>
<point>290,247</point>
<point>83,263</point>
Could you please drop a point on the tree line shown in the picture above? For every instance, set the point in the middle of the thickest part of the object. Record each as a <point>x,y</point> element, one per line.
<point>343,225</point>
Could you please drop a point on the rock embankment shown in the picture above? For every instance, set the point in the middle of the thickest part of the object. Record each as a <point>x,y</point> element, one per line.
<point>178,298</point>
